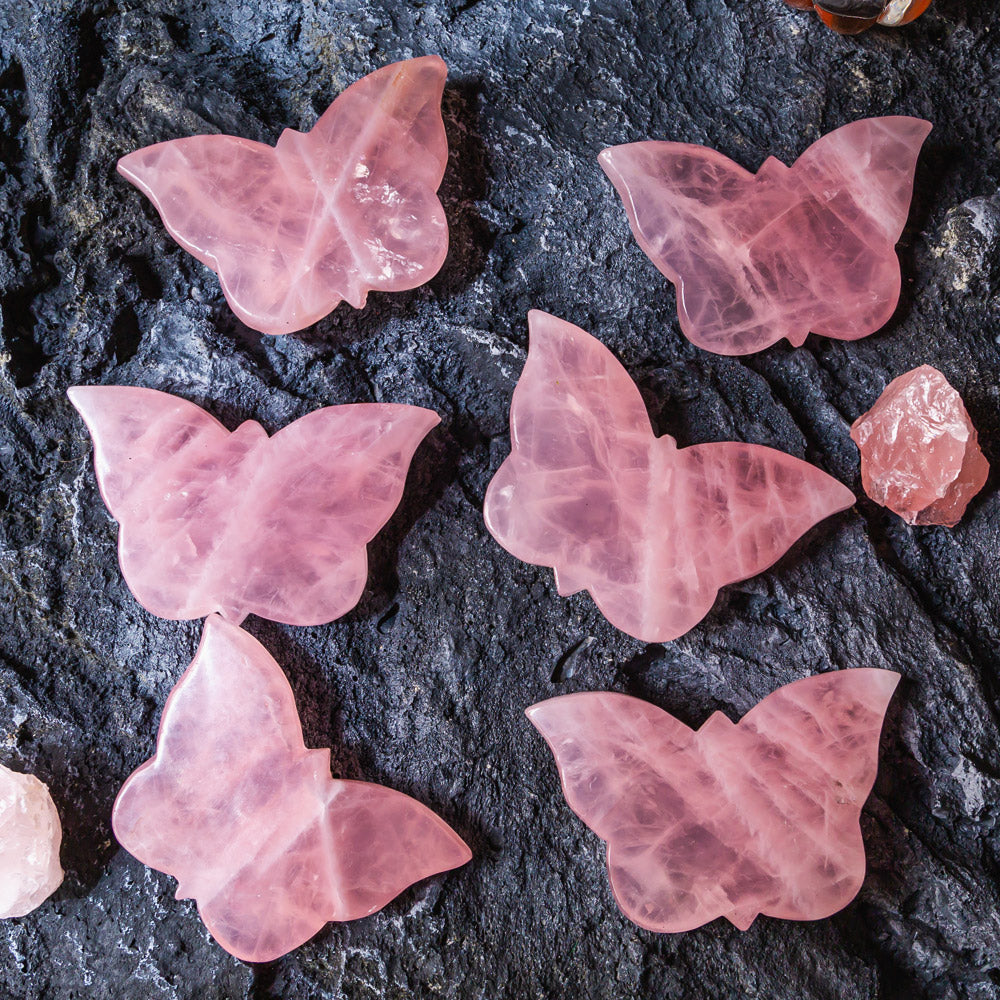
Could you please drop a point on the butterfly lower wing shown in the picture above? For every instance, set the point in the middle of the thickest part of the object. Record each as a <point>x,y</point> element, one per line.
<point>580,439</point>
<point>329,483</point>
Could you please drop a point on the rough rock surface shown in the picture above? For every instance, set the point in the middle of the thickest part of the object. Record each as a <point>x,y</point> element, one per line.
<point>422,686</point>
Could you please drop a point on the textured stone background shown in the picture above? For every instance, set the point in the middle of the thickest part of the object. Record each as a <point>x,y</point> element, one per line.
<point>422,687</point>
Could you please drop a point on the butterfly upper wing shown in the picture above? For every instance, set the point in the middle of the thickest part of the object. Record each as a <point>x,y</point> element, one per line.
<point>782,253</point>
<point>331,481</point>
<point>239,523</point>
<point>689,209</point>
<point>652,531</point>
<point>250,822</point>
<point>323,216</point>
<point>632,773</point>
<point>231,804</point>
<point>734,820</point>
<point>580,435</point>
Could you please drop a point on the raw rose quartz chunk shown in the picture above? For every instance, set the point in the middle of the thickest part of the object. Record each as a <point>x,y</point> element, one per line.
<point>731,820</point>
<point>240,523</point>
<point>779,253</point>
<point>850,17</point>
<point>920,454</point>
<point>325,215</point>
<point>30,836</point>
<point>249,821</point>
<point>651,530</point>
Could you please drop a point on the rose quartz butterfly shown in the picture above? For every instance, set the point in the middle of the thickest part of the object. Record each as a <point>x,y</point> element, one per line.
<point>240,523</point>
<point>787,251</point>
<point>249,821</point>
<point>731,820</point>
<point>325,215</point>
<point>651,530</point>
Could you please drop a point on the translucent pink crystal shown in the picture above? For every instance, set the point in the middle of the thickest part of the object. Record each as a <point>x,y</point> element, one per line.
<point>920,454</point>
<point>731,820</point>
<point>323,216</point>
<point>30,837</point>
<point>651,530</point>
<point>249,821</point>
<point>240,523</point>
<point>787,251</point>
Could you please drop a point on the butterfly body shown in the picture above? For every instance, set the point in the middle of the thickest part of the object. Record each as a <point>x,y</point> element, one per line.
<point>734,819</point>
<point>783,252</point>
<point>322,216</point>
<point>250,822</point>
<point>651,530</point>
<point>241,523</point>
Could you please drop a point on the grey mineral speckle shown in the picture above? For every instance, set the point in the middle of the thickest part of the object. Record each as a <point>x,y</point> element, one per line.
<point>422,687</point>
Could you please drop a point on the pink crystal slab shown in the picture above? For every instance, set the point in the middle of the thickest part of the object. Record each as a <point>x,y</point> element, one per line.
<point>323,216</point>
<point>240,523</point>
<point>779,253</point>
<point>920,454</point>
<point>734,819</point>
<point>30,837</point>
<point>249,821</point>
<point>651,530</point>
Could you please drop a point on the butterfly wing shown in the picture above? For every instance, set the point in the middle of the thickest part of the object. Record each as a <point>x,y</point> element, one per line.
<point>580,434</point>
<point>333,478</point>
<point>632,773</point>
<point>239,523</point>
<point>782,253</point>
<point>162,464</point>
<point>734,820</point>
<point>323,216</point>
<point>249,821</point>
<point>651,531</point>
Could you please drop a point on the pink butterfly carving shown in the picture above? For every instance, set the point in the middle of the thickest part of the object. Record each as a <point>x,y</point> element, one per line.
<point>249,821</point>
<point>731,820</point>
<point>240,523</point>
<point>323,216</point>
<point>653,531</point>
<point>787,251</point>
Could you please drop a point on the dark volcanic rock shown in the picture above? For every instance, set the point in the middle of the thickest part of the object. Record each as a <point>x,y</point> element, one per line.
<point>422,687</point>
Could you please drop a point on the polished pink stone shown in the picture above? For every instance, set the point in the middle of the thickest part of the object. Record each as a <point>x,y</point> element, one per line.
<point>325,215</point>
<point>731,820</point>
<point>651,530</point>
<point>920,454</point>
<point>240,523</point>
<point>779,253</point>
<point>249,821</point>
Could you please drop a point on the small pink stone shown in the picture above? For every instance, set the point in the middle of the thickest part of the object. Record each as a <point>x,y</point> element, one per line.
<point>653,531</point>
<point>250,822</point>
<point>779,253</point>
<point>323,216</point>
<point>734,819</point>
<point>241,523</point>
<point>920,454</point>
<point>30,837</point>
